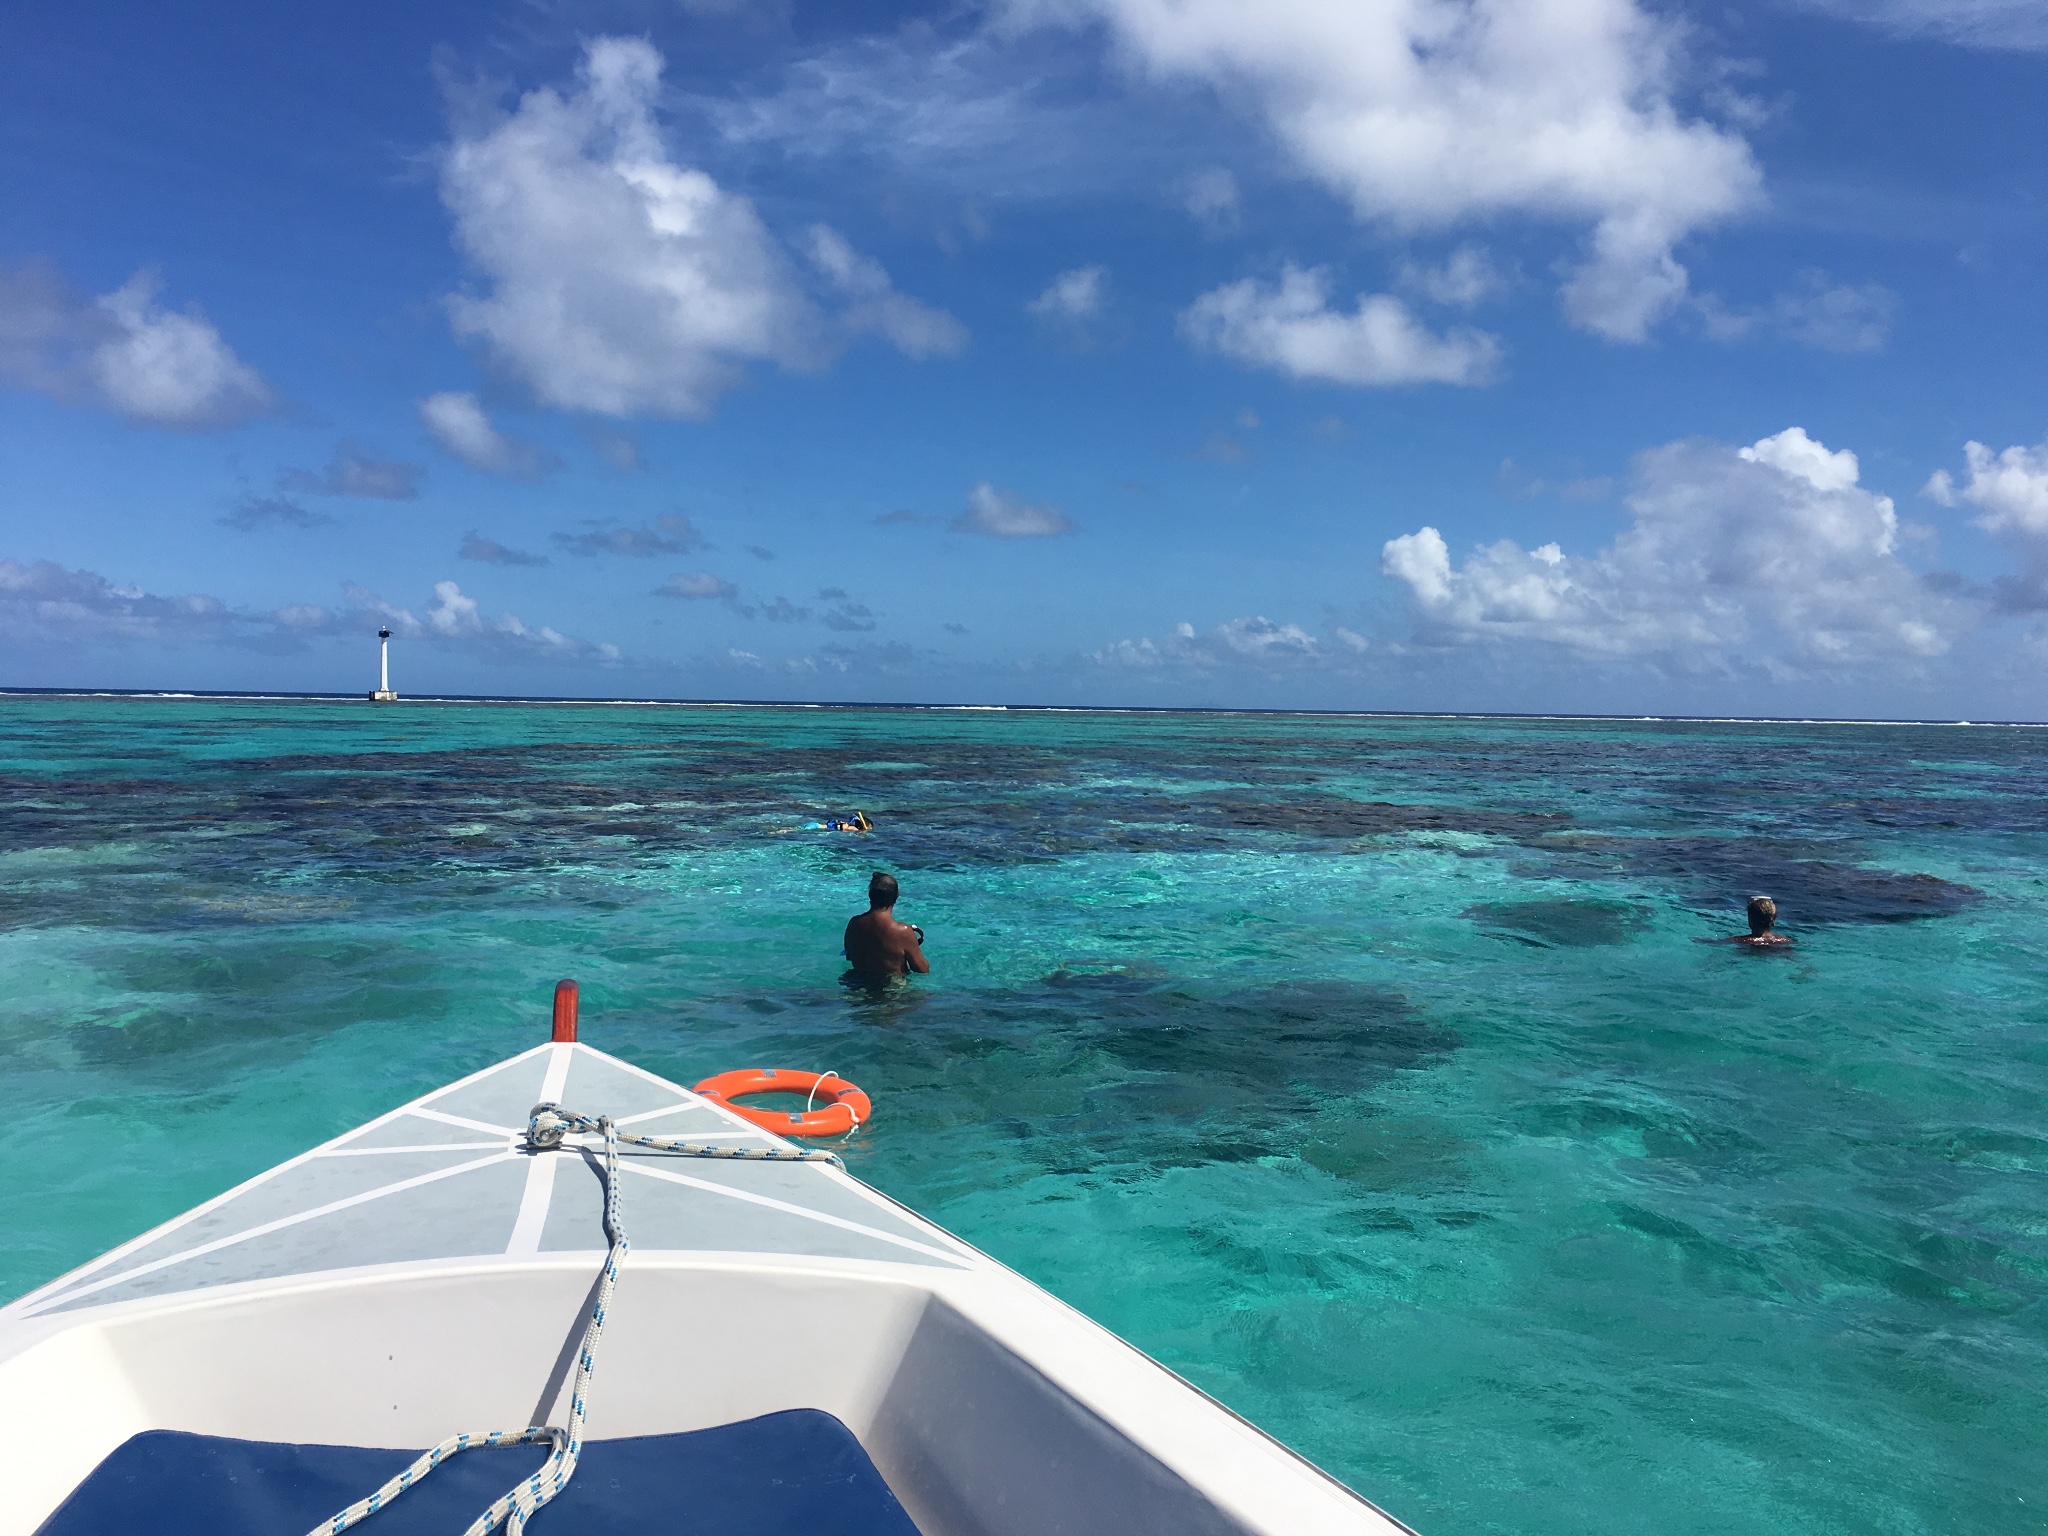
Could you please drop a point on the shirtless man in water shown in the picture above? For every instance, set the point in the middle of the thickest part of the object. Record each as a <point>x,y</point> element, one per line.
<point>1763,916</point>
<point>879,946</point>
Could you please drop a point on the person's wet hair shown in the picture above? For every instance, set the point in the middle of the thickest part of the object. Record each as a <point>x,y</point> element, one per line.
<point>881,890</point>
<point>1763,913</point>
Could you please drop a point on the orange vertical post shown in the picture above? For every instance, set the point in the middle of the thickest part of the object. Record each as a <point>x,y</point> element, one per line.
<point>565,1010</point>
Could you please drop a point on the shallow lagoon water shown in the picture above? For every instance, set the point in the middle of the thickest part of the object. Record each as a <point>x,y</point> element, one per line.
<point>1371,1072</point>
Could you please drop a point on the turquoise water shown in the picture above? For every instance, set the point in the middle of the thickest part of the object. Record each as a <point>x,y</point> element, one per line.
<point>1370,1072</point>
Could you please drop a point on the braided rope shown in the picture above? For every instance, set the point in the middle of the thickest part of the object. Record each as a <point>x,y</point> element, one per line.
<point>545,1129</point>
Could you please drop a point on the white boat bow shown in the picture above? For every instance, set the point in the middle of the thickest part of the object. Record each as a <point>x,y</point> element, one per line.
<point>429,1273</point>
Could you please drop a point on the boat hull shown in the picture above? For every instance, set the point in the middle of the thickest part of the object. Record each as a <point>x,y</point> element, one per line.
<point>991,1408</point>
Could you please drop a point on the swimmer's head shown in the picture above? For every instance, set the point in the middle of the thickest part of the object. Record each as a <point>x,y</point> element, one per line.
<point>1763,912</point>
<point>881,891</point>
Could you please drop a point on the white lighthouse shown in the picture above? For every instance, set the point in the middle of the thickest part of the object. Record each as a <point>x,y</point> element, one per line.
<point>383,695</point>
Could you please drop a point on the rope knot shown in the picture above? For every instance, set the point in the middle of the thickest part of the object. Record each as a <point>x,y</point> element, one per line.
<point>546,1127</point>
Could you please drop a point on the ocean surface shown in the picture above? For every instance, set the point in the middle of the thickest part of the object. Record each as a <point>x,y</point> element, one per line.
<point>1377,1074</point>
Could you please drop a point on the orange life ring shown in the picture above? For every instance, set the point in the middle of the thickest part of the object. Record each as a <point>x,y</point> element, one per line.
<point>841,1105</point>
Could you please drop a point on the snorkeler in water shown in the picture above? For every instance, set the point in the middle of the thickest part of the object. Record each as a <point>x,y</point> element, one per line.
<point>1763,918</point>
<point>876,944</point>
<point>859,823</point>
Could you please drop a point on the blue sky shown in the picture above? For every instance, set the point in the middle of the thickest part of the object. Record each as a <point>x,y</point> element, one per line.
<point>1552,355</point>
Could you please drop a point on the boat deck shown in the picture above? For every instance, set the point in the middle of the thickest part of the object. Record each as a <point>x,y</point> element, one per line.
<point>449,1176</point>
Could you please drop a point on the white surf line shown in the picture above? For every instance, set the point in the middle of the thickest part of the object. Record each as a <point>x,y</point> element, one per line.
<point>278,1225</point>
<point>784,1206</point>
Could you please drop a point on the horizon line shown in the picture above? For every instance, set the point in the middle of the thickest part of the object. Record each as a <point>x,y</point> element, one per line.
<point>284,696</point>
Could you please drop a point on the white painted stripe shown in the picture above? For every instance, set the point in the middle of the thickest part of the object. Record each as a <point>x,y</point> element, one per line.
<point>781,1205</point>
<point>464,1121</point>
<point>557,1074</point>
<point>656,1114</point>
<point>424,1146</point>
<point>533,1204</point>
<point>279,1225</point>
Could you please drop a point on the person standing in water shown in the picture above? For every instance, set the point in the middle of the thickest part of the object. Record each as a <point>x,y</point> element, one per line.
<point>876,944</point>
<point>1763,918</point>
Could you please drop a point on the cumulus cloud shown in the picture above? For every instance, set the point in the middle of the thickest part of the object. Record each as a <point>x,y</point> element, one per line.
<point>1771,556</point>
<point>461,619</point>
<point>696,588</point>
<point>457,621</point>
<point>1466,277</point>
<point>490,552</point>
<point>915,329</point>
<point>1000,515</point>
<point>1426,113</point>
<point>672,534</point>
<point>1073,298</point>
<point>123,352</point>
<point>355,471</point>
<point>459,423</point>
<point>1290,327</point>
<point>2011,489</point>
<point>2011,486</point>
<point>1255,640</point>
<point>44,604</point>
<point>624,283</point>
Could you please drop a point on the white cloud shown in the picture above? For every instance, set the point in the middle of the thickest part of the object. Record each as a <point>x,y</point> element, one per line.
<point>670,534</point>
<point>1819,312</point>
<point>42,604</point>
<point>161,368</point>
<point>1073,298</point>
<point>1838,317</point>
<point>458,620</point>
<point>1793,453</point>
<point>1291,328</point>
<point>2011,486</point>
<point>1212,201</point>
<point>1428,113</point>
<point>624,283</point>
<point>355,471</point>
<point>1467,277</point>
<point>1771,556</point>
<point>999,515</point>
<point>1260,637</point>
<point>490,552</point>
<point>2018,24</point>
<point>1255,639</point>
<point>696,587</point>
<point>915,329</point>
<point>459,423</point>
<point>620,282</point>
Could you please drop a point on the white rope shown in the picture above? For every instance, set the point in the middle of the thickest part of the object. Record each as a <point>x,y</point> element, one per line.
<point>545,1129</point>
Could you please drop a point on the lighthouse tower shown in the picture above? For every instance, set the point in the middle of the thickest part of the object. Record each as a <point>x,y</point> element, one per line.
<point>383,695</point>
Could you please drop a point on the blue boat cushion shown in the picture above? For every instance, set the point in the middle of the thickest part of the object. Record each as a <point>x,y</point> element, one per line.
<point>799,1473</point>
